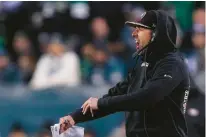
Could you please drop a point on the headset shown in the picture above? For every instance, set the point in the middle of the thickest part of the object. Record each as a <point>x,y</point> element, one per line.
<point>154,33</point>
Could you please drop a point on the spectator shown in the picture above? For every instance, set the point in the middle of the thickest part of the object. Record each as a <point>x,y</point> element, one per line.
<point>26,65</point>
<point>193,47</point>
<point>195,58</point>
<point>118,49</point>
<point>9,73</point>
<point>87,52</point>
<point>17,131</point>
<point>199,17</point>
<point>57,67</point>
<point>99,67</point>
<point>100,33</point>
<point>198,26</point>
<point>22,44</point>
<point>43,40</point>
<point>106,69</point>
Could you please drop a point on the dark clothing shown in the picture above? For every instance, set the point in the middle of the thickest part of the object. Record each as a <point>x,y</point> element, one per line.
<point>154,95</point>
<point>196,121</point>
<point>10,75</point>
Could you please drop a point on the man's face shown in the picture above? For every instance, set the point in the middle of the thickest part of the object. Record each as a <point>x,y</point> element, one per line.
<point>100,28</point>
<point>21,44</point>
<point>142,37</point>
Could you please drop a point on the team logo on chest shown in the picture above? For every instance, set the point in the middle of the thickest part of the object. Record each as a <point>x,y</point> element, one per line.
<point>144,64</point>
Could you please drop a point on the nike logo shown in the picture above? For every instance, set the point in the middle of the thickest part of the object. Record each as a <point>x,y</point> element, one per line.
<point>167,76</point>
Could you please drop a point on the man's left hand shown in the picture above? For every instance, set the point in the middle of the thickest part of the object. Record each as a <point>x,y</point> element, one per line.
<point>91,104</point>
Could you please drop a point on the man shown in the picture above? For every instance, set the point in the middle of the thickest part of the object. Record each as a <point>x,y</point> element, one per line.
<point>154,95</point>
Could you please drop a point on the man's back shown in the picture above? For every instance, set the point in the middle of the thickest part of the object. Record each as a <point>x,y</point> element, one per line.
<point>165,118</point>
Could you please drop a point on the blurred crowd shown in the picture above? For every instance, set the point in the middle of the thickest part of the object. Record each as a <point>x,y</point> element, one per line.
<point>46,44</point>
<point>18,131</point>
<point>95,58</point>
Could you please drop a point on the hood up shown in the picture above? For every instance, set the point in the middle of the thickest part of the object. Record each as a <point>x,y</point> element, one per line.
<point>165,37</point>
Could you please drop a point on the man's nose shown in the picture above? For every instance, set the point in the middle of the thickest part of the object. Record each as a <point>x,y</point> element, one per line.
<point>134,33</point>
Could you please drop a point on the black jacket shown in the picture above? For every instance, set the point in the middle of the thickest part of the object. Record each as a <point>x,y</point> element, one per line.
<point>154,94</point>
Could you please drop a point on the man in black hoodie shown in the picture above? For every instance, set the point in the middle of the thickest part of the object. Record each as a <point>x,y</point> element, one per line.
<point>154,95</point>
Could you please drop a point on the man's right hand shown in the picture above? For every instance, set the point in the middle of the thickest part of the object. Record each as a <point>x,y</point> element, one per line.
<point>65,123</point>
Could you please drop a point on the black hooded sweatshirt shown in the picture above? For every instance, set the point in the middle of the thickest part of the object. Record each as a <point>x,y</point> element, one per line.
<point>154,95</point>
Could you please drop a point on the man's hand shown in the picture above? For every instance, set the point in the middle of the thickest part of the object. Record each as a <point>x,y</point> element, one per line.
<point>65,123</point>
<point>91,104</point>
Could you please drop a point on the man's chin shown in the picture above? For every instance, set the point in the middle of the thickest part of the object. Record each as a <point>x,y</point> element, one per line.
<point>138,48</point>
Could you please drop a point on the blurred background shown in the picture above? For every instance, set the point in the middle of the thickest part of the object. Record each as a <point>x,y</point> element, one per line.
<point>54,55</point>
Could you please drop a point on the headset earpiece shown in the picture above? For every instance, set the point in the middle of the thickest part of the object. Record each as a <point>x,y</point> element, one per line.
<point>153,35</point>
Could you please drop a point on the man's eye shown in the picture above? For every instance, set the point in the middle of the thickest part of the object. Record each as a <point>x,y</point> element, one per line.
<point>141,29</point>
<point>137,29</point>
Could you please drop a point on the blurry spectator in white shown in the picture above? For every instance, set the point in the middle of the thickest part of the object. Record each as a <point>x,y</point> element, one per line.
<point>57,67</point>
<point>9,72</point>
<point>118,132</point>
<point>22,44</point>
<point>17,131</point>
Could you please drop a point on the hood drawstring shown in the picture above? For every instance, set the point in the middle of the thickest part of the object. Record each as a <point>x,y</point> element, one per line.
<point>136,57</point>
<point>145,58</point>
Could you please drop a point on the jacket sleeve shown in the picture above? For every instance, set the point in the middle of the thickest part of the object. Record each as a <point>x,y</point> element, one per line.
<point>79,117</point>
<point>120,88</point>
<point>167,76</point>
